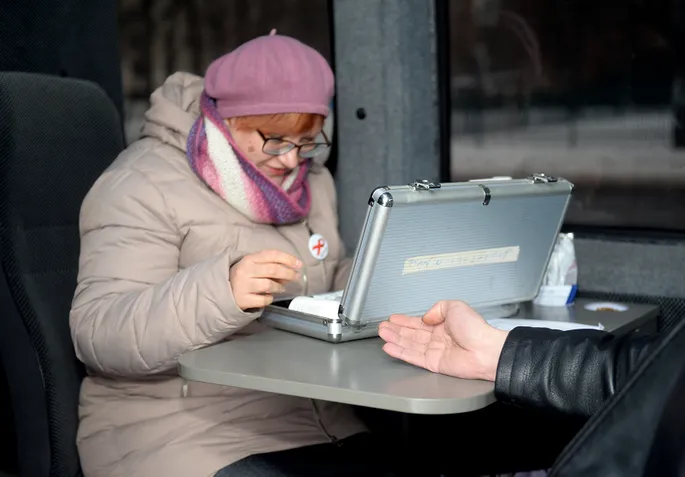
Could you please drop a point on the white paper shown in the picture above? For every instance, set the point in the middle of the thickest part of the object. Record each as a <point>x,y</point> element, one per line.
<point>324,305</point>
<point>508,324</point>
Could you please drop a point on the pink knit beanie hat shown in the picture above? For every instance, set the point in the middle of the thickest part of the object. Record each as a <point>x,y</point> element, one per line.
<point>269,75</point>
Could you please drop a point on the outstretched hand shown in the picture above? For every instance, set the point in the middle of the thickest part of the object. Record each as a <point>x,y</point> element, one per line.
<point>451,339</point>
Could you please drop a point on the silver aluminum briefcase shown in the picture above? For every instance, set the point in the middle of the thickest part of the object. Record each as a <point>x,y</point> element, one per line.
<point>484,242</point>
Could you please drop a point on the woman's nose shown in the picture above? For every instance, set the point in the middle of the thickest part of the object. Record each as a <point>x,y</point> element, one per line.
<point>290,159</point>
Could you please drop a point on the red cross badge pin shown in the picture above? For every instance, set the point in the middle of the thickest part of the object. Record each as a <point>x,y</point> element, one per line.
<point>318,246</point>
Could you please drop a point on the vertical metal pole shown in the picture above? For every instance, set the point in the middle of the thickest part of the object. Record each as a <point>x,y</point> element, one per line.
<point>387,100</point>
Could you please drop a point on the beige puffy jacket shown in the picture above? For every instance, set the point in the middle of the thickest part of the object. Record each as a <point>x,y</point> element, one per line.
<point>156,247</point>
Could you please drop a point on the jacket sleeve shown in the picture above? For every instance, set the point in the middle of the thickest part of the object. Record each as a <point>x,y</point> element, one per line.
<point>574,372</point>
<point>134,312</point>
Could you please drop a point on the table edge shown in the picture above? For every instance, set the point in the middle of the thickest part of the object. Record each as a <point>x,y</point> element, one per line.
<point>388,402</point>
<point>312,391</point>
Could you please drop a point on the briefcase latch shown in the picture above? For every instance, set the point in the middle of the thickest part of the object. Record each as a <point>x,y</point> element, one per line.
<point>424,184</point>
<point>542,178</point>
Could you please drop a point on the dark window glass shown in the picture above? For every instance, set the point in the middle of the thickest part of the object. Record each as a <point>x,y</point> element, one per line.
<point>160,37</point>
<point>591,91</point>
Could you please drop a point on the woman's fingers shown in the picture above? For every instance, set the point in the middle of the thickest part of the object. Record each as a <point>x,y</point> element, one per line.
<point>274,271</point>
<point>265,286</point>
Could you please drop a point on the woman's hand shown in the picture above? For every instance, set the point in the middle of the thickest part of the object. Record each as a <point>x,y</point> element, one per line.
<point>256,277</point>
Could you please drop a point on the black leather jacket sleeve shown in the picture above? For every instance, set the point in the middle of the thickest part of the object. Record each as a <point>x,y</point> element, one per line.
<point>573,372</point>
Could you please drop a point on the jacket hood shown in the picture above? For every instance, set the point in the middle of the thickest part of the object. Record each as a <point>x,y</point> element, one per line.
<point>174,107</point>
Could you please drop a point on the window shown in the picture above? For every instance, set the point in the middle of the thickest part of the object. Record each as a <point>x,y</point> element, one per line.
<point>160,37</point>
<point>590,91</point>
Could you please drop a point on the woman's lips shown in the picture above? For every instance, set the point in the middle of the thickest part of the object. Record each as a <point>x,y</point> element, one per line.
<point>273,171</point>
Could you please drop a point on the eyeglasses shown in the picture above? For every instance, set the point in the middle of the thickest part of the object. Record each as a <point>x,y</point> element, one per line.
<point>277,146</point>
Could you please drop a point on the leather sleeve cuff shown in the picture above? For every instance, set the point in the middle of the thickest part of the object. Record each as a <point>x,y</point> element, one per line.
<point>517,360</point>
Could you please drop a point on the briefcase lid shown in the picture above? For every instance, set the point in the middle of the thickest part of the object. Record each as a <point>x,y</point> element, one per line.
<point>485,242</point>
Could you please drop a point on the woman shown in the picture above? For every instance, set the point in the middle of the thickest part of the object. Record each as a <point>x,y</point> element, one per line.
<point>185,237</point>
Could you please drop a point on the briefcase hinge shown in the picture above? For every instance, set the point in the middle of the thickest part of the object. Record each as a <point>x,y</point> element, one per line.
<point>424,184</point>
<point>542,178</point>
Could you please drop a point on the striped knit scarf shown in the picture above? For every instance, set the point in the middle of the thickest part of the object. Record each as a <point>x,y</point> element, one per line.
<point>213,155</point>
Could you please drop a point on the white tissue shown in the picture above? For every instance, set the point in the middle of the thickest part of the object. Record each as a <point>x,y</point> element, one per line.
<point>560,283</point>
<point>562,268</point>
